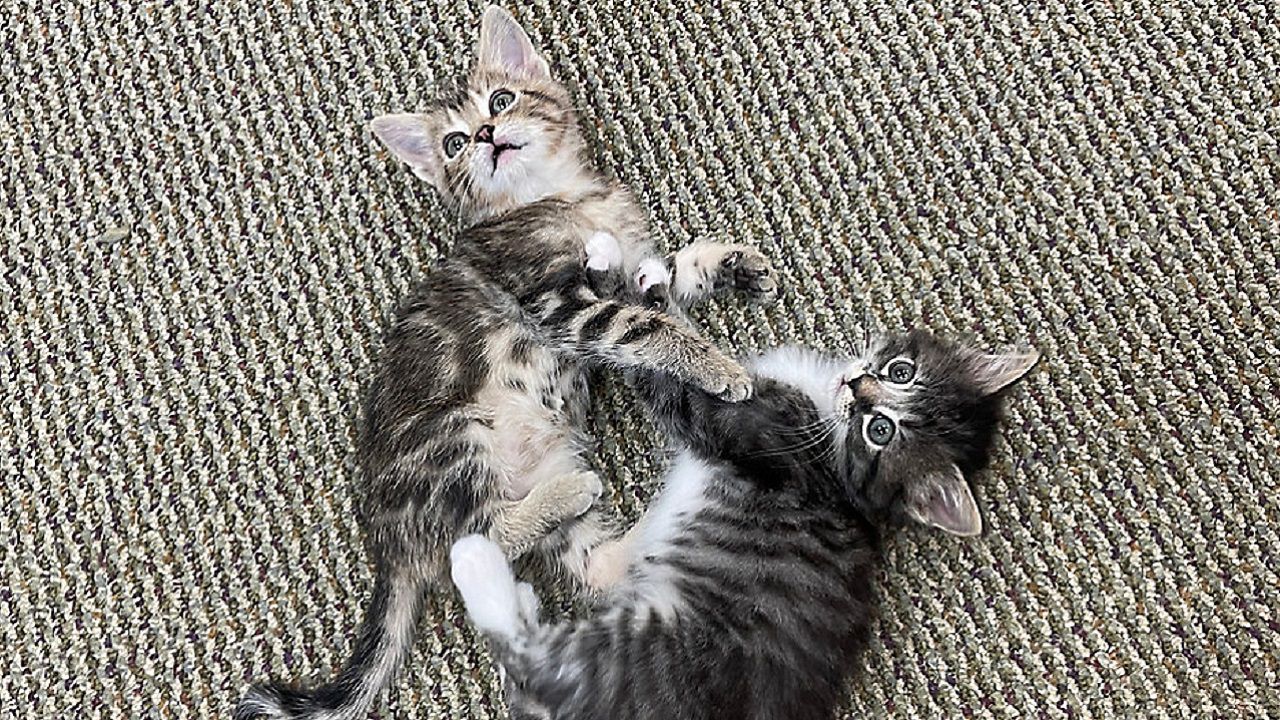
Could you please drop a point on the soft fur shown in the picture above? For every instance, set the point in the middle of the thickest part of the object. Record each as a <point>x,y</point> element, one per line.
<point>746,592</point>
<point>472,422</point>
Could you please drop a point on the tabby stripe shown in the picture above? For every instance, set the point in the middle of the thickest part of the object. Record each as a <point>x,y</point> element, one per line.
<point>640,332</point>
<point>592,329</point>
<point>539,96</point>
<point>556,279</point>
<point>567,308</point>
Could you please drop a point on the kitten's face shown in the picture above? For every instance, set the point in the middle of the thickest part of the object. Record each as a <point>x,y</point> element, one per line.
<point>920,415</point>
<point>508,136</point>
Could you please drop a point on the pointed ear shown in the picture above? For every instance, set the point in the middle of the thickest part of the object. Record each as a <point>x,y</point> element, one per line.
<point>943,500</point>
<point>505,46</point>
<point>994,373</point>
<point>410,139</point>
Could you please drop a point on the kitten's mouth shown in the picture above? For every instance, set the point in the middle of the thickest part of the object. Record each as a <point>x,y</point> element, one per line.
<point>498,150</point>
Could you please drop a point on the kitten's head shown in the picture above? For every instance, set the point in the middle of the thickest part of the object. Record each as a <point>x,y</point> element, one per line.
<point>920,415</point>
<point>507,136</point>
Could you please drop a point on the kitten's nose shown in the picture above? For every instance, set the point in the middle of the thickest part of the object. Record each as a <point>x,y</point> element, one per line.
<point>866,389</point>
<point>485,134</point>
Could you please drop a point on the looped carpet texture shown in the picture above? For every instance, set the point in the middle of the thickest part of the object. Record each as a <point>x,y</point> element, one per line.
<point>201,243</point>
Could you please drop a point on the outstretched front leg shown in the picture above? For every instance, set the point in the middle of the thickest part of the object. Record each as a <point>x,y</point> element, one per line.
<point>631,337</point>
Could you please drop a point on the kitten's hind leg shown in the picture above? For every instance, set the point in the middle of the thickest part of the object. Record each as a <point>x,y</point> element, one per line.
<point>610,561</point>
<point>551,502</point>
<point>488,588</point>
<point>503,610</point>
<point>703,269</point>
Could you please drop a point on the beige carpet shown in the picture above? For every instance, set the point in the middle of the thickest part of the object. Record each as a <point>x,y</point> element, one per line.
<point>201,242</point>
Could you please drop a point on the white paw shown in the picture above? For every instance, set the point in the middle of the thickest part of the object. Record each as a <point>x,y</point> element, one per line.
<point>483,577</point>
<point>651,272</point>
<point>603,252</point>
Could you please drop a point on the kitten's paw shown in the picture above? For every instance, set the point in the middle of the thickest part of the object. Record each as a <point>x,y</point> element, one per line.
<point>747,270</point>
<point>727,380</point>
<point>607,565</point>
<point>651,272</point>
<point>584,490</point>
<point>603,252</point>
<point>739,389</point>
<point>483,578</point>
<point>704,268</point>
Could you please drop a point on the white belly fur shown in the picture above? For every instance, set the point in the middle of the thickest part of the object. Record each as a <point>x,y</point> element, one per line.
<point>529,440</point>
<point>683,494</point>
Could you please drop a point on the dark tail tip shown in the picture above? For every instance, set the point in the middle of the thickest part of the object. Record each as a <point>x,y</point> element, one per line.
<point>274,701</point>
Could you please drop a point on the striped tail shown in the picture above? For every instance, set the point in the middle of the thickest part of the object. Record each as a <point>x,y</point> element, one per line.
<point>382,646</point>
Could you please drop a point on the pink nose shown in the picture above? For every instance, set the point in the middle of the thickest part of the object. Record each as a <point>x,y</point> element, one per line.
<point>485,134</point>
<point>866,389</point>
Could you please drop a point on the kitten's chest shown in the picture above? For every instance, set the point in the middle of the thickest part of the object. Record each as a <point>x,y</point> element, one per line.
<point>555,383</point>
<point>621,219</point>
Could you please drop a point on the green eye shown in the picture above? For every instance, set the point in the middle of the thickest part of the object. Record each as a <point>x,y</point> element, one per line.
<point>500,100</point>
<point>453,143</point>
<point>880,430</point>
<point>900,371</point>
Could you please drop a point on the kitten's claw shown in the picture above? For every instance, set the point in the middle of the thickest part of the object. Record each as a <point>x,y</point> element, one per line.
<point>575,493</point>
<point>731,383</point>
<point>528,602</point>
<point>738,391</point>
<point>704,268</point>
<point>604,258</point>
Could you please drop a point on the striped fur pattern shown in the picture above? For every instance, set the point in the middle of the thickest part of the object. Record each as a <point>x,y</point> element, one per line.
<point>747,591</point>
<point>472,423</point>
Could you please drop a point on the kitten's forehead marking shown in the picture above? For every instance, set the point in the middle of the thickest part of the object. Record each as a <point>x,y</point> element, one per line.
<point>456,121</point>
<point>481,99</point>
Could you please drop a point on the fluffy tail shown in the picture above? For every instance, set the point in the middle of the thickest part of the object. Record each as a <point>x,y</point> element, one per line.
<point>381,649</point>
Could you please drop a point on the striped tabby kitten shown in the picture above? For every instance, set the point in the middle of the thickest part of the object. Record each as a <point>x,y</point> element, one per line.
<point>747,586</point>
<point>472,424</point>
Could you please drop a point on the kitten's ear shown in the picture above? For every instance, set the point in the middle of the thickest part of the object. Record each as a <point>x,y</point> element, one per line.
<point>943,500</point>
<point>993,373</point>
<point>505,46</point>
<point>410,139</point>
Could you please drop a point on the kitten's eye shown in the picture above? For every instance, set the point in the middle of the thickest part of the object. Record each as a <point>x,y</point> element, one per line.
<point>880,430</point>
<point>453,143</point>
<point>900,371</point>
<point>500,100</point>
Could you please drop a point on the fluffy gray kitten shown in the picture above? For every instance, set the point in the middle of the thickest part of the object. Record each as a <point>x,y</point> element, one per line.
<point>472,424</point>
<point>747,589</point>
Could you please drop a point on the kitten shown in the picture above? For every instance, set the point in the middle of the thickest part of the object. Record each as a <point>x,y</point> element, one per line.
<point>472,423</point>
<point>746,589</point>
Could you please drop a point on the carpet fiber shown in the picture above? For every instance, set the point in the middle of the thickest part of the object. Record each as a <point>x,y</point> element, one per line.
<point>202,241</point>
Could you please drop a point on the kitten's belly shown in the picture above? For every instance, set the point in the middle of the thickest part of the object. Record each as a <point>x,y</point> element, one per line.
<point>532,408</point>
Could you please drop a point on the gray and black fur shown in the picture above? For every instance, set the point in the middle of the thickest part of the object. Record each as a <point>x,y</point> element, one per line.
<point>472,423</point>
<point>748,592</point>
